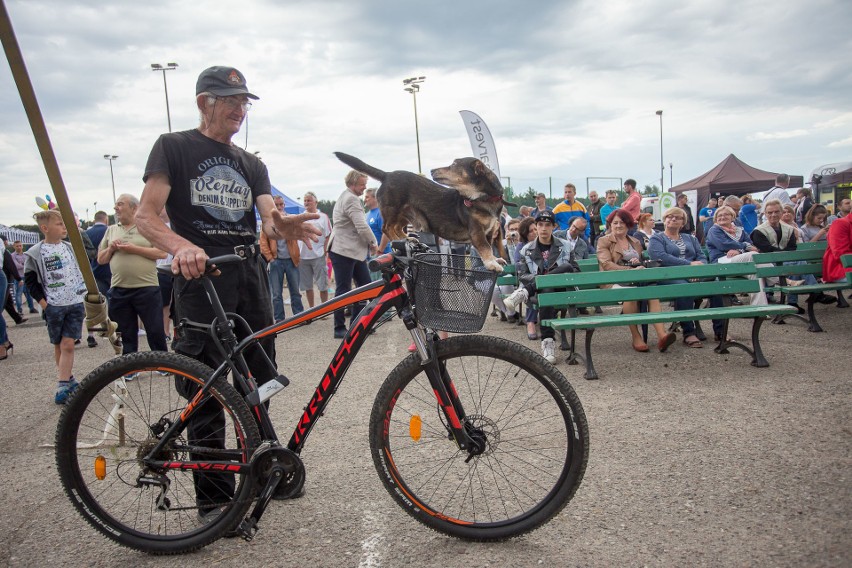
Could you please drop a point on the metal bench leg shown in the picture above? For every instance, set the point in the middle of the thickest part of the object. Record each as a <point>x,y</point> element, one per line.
<point>564,345</point>
<point>813,324</point>
<point>758,360</point>
<point>574,358</point>
<point>591,374</point>
<point>841,301</point>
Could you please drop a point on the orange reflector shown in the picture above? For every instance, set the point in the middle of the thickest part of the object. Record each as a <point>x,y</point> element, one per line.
<point>100,467</point>
<point>415,425</point>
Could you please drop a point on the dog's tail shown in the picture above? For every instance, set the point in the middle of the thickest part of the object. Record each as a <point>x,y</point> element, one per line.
<point>360,166</point>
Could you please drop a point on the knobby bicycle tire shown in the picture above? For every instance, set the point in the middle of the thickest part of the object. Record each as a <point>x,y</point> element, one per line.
<point>531,418</point>
<point>119,418</point>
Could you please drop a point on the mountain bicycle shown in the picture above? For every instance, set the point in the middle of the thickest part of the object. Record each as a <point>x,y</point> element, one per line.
<point>474,436</point>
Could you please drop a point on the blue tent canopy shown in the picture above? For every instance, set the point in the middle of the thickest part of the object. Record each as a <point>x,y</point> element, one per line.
<point>290,206</point>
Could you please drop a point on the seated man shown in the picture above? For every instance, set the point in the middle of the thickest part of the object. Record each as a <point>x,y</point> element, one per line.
<point>574,237</point>
<point>544,255</point>
<point>773,236</point>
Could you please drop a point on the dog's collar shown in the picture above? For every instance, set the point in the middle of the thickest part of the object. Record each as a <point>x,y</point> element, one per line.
<point>487,199</point>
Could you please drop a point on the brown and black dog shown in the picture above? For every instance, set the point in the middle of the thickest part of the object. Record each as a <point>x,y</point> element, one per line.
<point>467,210</point>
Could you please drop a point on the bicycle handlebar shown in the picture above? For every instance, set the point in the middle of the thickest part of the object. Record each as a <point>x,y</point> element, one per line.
<point>210,265</point>
<point>381,262</point>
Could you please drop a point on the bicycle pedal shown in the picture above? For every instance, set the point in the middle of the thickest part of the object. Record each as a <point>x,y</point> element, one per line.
<point>247,529</point>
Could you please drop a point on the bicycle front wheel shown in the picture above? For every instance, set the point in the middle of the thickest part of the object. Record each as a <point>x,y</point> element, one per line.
<point>530,419</point>
<point>118,415</point>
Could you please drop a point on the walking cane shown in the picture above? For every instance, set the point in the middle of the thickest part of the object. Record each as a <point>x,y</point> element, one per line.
<point>96,314</point>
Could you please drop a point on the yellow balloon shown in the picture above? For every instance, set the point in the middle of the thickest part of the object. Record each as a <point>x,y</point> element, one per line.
<point>41,203</point>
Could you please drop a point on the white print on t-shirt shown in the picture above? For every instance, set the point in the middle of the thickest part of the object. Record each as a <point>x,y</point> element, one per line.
<point>223,192</point>
<point>63,282</point>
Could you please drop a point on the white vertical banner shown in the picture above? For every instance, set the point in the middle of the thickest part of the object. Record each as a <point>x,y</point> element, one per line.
<point>481,141</point>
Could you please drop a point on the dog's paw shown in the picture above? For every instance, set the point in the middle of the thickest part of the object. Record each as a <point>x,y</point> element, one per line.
<point>493,265</point>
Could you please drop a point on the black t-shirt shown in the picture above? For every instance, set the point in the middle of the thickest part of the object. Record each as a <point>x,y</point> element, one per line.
<point>214,188</point>
<point>544,251</point>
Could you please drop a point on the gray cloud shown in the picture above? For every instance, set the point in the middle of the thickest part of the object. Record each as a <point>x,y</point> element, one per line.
<point>569,89</point>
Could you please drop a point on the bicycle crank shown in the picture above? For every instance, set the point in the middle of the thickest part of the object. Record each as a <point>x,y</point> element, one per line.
<point>281,474</point>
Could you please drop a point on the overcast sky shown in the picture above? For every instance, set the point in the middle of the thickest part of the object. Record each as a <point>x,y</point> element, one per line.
<point>568,88</point>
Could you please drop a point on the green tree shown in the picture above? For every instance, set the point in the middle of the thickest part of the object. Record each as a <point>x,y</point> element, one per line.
<point>651,190</point>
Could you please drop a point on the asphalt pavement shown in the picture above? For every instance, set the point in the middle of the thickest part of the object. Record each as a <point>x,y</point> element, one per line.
<point>696,459</point>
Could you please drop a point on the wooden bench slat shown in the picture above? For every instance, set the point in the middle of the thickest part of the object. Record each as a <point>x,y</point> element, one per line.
<point>602,297</point>
<point>619,320</point>
<point>733,270</point>
<point>806,255</point>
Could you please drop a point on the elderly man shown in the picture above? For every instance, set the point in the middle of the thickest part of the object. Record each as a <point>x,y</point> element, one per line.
<point>210,188</point>
<point>135,288</point>
<point>313,268</point>
<point>574,237</point>
<point>774,236</point>
<point>283,257</point>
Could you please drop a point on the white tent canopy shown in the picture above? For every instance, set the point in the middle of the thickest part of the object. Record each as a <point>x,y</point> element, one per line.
<point>25,237</point>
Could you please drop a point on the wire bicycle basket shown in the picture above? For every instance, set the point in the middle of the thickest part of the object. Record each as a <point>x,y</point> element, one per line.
<point>452,292</point>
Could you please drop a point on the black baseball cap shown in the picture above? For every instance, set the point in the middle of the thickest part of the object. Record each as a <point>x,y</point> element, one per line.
<point>545,216</point>
<point>222,82</point>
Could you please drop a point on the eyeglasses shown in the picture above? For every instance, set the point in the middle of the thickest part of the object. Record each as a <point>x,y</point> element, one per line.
<point>674,217</point>
<point>234,103</point>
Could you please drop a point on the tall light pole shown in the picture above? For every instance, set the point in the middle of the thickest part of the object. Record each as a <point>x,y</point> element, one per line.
<point>111,176</point>
<point>167,67</point>
<point>662,165</point>
<point>412,85</point>
<point>671,175</point>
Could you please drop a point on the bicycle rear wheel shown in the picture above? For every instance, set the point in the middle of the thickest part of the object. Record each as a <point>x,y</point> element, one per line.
<point>118,414</point>
<point>529,416</point>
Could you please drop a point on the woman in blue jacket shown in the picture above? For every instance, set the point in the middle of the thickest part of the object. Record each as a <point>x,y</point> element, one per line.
<point>673,248</point>
<point>748,214</point>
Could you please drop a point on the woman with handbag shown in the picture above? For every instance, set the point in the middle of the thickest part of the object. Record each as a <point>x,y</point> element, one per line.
<point>616,250</point>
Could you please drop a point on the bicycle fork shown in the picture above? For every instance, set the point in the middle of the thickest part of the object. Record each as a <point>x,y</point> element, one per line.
<point>443,389</point>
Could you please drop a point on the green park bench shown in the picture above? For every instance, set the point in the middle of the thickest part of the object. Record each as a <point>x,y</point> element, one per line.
<point>576,290</point>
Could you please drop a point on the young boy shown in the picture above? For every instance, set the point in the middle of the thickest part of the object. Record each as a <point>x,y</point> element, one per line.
<point>54,280</point>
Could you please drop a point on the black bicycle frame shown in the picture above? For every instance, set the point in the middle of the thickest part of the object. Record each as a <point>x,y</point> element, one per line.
<point>382,295</point>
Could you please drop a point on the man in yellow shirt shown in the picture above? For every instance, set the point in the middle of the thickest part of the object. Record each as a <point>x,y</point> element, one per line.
<point>134,285</point>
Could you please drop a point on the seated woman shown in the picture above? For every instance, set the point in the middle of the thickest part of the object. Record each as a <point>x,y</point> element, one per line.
<point>617,250</point>
<point>788,217</point>
<point>644,228</point>
<point>815,228</point>
<point>727,242</point>
<point>673,248</point>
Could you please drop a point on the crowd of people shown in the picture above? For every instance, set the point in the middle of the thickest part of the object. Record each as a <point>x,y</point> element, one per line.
<point>733,229</point>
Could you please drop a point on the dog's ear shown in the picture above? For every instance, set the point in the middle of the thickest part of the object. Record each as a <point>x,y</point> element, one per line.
<point>481,170</point>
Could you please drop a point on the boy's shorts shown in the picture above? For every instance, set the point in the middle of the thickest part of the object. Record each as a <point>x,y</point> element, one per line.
<point>64,321</point>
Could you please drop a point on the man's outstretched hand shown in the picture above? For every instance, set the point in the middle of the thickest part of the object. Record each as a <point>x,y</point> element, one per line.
<point>294,227</point>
